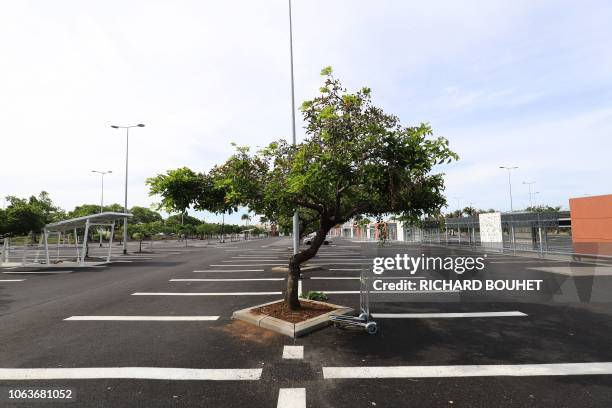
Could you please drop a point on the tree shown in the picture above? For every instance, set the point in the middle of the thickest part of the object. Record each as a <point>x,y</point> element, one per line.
<point>142,215</point>
<point>246,218</point>
<point>143,231</point>
<point>179,219</point>
<point>3,221</point>
<point>183,188</point>
<point>178,189</point>
<point>91,209</point>
<point>355,160</point>
<point>51,212</point>
<point>22,217</point>
<point>543,208</point>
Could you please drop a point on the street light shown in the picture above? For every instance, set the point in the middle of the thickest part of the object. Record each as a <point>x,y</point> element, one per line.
<point>296,220</point>
<point>102,173</point>
<point>529,183</point>
<point>125,209</point>
<point>509,182</point>
<point>458,204</point>
<point>534,197</point>
<point>510,168</point>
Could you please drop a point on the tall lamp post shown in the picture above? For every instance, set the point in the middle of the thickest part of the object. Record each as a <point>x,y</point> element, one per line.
<point>102,174</point>
<point>510,168</point>
<point>296,220</point>
<point>529,183</point>
<point>509,182</point>
<point>125,207</point>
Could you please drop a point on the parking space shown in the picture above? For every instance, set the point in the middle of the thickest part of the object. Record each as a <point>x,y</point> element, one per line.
<point>172,313</point>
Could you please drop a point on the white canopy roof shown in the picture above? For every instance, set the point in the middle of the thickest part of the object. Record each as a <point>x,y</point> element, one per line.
<point>105,218</point>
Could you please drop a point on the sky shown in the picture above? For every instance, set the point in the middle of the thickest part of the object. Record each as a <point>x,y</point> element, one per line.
<point>520,83</point>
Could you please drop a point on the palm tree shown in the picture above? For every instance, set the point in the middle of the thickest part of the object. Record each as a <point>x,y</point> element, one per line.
<point>246,218</point>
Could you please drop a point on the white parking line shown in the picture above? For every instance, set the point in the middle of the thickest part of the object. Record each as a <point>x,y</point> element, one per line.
<point>231,270</point>
<point>513,370</point>
<point>205,293</point>
<point>40,272</point>
<point>144,318</point>
<point>291,398</point>
<point>338,263</point>
<point>523,262</point>
<point>349,292</point>
<point>293,352</point>
<point>256,257</point>
<point>12,280</point>
<point>444,315</point>
<point>146,373</point>
<point>335,277</point>
<point>227,280</point>
<point>243,265</point>
<point>341,292</point>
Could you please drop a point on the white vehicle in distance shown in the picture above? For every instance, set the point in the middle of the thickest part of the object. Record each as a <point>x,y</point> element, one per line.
<point>307,240</point>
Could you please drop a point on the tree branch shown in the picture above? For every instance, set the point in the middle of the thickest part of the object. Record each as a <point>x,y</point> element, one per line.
<point>317,207</point>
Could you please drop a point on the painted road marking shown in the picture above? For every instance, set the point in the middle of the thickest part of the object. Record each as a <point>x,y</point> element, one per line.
<point>145,318</point>
<point>251,255</point>
<point>335,277</point>
<point>293,352</point>
<point>256,260</point>
<point>349,292</point>
<point>18,272</point>
<point>344,269</point>
<point>231,270</point>
<point>205,293</point>
<point>523,262</point>
<point>147,373</point>
<point>227,280</point>
<point>341,292</point>
<point>444,315</point>
<point>12,280</point>
<point>242,265</point>
<point>339,263</point>
<point>291,398</point>
<point>488,370</point>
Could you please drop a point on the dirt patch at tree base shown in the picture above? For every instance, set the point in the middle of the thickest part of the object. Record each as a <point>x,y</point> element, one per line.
<point>281,311</point>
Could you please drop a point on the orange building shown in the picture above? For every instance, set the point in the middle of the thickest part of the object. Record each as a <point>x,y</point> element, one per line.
<point>592,224</point>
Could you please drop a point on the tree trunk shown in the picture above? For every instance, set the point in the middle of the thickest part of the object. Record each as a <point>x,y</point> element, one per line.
<point>293,279</point>
<point>293,276</point>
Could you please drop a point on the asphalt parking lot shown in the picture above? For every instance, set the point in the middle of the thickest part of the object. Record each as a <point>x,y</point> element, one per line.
<point>158,328</point>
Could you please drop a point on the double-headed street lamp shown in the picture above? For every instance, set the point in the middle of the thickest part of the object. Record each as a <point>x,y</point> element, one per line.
<point>102,173</point>
<point>125,207</point>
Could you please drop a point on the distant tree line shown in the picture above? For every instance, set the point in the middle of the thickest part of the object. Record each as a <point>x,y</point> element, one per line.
<point>28,216</point>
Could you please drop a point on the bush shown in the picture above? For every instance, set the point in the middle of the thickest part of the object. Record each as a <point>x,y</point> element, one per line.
<point>311,295</point>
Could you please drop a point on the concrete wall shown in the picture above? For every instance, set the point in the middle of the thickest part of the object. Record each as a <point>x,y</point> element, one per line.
<point>592,224</point>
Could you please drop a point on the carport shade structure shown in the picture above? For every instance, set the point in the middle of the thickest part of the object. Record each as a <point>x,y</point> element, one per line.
<point>105,219</point>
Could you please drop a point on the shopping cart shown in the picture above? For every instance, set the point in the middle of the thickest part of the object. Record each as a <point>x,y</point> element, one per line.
<point>364,318</point>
